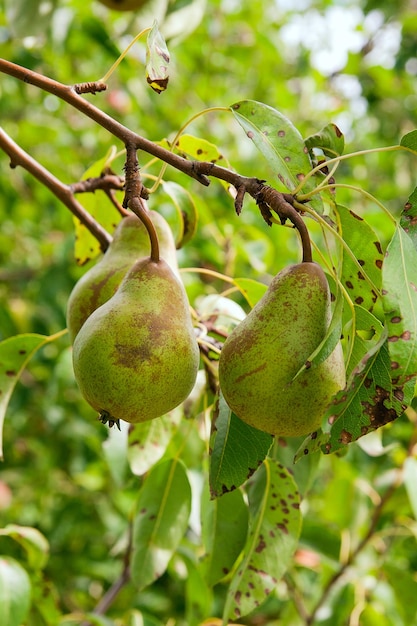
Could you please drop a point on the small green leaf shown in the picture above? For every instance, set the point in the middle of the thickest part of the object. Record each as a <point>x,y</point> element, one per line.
<point>329,139</point>
<point>148,441</point>
<point>161,520</point>
<point>15,353</point>
<point>280,143</point>
<point>400,306</point>
<point>274,529</point>
<point>157,59</point>
<point>237,450</point>
<point>15,591</point>
<point>366,248</point>
<point>186,209</point>
<point>410,141</point>
<point>405,589</point>
<point>200,150</point>
<point>225,527</point>
<point>35,544</point>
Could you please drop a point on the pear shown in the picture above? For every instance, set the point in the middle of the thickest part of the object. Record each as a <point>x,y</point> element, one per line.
<point>130,242</point>
<point>136,357</point>
<point>263,354</point>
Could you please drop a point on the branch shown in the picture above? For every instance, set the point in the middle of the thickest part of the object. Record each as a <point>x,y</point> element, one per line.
<point>267,198</point>
<point>18,157</point>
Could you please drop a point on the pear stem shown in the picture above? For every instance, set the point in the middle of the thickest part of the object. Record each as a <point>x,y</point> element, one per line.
<point>138,207</point>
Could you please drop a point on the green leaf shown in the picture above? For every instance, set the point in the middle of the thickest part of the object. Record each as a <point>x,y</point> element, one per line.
<point>237,450</point>
<point>198,595</point>
<point>251,289</point>
<point>225,527</point>
<point>148,441</point>
<point>368,332</point>
<point>15,353</point>
<point>200,150</point>
<point>274,529</point>
<point>410,482</point>
<point>115,452</point>
<point>186,209</point>
<point>100,207</point>
<point>400,306</point>
<point>329,139</point>
<point>279,142</point>
<point>405,589</point>
<point>35,544</point>
<point>157,59</point>
<point>15,591</point>
<point>366,248</point>
<point>408,219</point>
<point>409,141</point>
<point>161,520</point>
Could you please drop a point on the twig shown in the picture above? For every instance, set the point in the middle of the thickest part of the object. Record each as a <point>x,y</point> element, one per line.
<point>18,157</point>
<point>265,196</point>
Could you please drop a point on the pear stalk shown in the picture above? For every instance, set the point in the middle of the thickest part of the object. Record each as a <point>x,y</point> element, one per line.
<point>137,206</point>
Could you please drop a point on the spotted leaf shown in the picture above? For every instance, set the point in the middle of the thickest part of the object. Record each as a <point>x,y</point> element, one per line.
<point>280,143</point>
<point>237,450</point>
<point>274,529</point>
<point>361,277</point>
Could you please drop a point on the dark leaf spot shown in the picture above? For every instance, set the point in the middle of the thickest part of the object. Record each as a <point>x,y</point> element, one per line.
<point>10,373</point>
<point>349,285</point>
<point>378,263</point>
<point>396,319</point>
<point>378,246</point>
<point>281,133</point>
<point>359,300</point>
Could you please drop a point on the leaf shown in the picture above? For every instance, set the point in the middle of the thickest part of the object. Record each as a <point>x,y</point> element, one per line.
<point>329,139</point>
<point>148,441</point>
<point>405,589</point>
<point>279,142</point>
<point>100,207</point>
<point>161,520</point>
<point>400,306</point>
<point>237,450</point>
<point>225,527</point>
<point>199,149</point>
<point>115,452</point>
<point>409,141</point>
<point>15,353</point>
<point>410,482</point>
<point>251,289</point>
<point>408,219</point>
<point>366,248</point>
<point>329,342</point>
<point>186,209</point>
<point>15,592</point>
<point>274,529</point>
<point>368,331</point>
<point>157,60</point>
<point>369,402</point>
<point>35,544</point>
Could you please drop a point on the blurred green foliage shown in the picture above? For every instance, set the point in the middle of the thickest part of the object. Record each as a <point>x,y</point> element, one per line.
<point>317,61</point>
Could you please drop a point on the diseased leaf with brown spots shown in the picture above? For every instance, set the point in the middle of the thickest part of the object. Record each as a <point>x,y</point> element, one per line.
<point>366,249</point>
<point>236,450</point>
<point>329,139</point>
<point>399,298</point>
<point>280,143</point>
<point>369,401</point>
<point>408,219</point>
<point>274,529</point>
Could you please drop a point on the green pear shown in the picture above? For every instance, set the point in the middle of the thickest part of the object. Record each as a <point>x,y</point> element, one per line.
<point>136,357</point>
<point>130,242</point>
<point>261,357</point>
